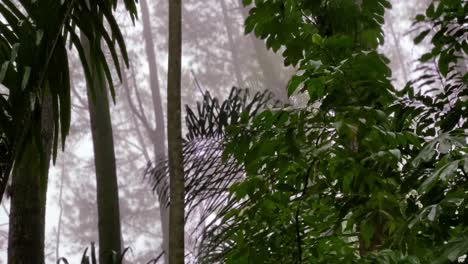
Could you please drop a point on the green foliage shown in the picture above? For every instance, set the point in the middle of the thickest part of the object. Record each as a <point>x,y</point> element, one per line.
<point>34,63</point>
<point>365,173</point>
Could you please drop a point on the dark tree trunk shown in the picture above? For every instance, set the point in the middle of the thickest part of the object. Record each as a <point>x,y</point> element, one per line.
<point>28,198</point>
<point>174,124</point>
<point>104,161</point>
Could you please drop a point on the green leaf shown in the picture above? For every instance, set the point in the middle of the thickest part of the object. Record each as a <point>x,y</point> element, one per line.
<point>396,153</point>
<point>455,248</point>
<point>425,154</point>
<point>443,63</point>
<point>317,39</point>
<point>294,83</point>
<point>39,35</point>
<point>367,232</point>
<point>430,11</point>
<point>420,18</point>
<point>443,173</point>
<point>246,2</point>
<point>3,71</point>
<point>26,75</point>
<point>316,88</point>
<point>421,36</point>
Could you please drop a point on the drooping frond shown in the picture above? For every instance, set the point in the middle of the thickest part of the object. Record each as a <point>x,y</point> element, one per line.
<point>442,81</point>
<point>211,118</point>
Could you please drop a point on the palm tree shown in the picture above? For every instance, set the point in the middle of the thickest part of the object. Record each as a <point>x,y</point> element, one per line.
<point>104,160</point>
<point>36,105</point>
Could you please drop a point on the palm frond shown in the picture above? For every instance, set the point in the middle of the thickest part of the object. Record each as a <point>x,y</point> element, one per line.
<point>208,175</point>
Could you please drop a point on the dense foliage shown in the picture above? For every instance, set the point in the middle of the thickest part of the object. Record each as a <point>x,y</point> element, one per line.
<point>365,172</point>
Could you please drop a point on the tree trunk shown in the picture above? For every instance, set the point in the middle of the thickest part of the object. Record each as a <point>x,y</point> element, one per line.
<point>232,45</point>
<point>174,124</point>
<point>28,198</point>
<point>104,161</point>
<point>158,136</point>
<point>59,224</point>
<point>398,49</point>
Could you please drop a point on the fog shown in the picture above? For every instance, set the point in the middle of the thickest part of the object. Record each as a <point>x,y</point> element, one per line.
<point>217,55</point>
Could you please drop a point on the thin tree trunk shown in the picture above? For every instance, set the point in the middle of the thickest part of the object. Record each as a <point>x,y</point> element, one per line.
<point>396,41</point>
<point>158,136</point>
<point>163,211</point>
<point>232,45</point>
<point>59,225</point>
<point>174,124</point>
<point>28,198</point>
<point>104,161</point>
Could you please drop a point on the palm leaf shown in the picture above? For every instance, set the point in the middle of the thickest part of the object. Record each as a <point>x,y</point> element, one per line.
<point>208,175</point>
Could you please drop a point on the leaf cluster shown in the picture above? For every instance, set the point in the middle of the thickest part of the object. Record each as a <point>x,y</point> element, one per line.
<point>365,173</point>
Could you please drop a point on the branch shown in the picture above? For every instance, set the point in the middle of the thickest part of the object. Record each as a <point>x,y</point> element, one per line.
<point>139,114</point>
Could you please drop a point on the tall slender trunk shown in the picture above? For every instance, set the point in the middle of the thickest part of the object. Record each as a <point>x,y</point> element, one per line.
<point>59,224</point>
<point>28,198</point>
<point>159,135</point>
<point>104,161</point>
<point>174,124</point>
<point>232,46</point>
<point>398,49</point>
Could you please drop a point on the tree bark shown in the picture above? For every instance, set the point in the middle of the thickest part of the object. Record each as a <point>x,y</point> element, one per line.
<point>104,161</point>
<point>28,198</point>
<point>174,124</point>
<point>158,136</point>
